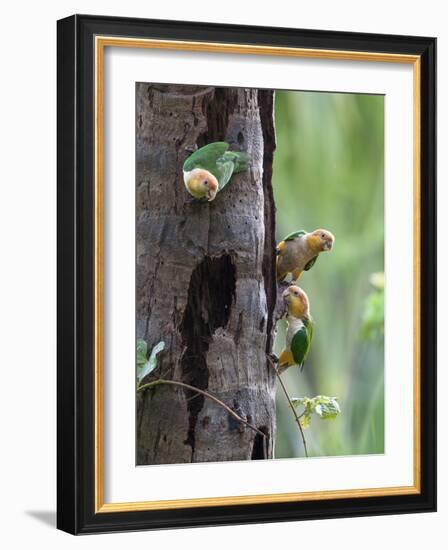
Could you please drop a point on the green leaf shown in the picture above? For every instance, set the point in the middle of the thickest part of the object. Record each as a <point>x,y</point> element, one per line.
<point>155,351</point>
<point>325,407</point>
<point>142,350</point>
<point>150,364</point>
<point>305,420</point>
<point>305,417</point>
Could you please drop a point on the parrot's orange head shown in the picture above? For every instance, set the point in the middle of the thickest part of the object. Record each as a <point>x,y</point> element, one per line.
<point>320,240</point>
<point>202,184</point>
<point>296,301</point>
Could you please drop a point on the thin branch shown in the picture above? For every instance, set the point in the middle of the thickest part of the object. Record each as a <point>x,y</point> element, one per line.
<point>290,404</point>
<point>203,392</point>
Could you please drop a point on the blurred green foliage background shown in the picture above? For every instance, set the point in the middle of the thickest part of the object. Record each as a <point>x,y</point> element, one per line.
<point>329,173</point>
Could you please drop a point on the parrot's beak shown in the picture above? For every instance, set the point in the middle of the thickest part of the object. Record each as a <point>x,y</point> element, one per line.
<point>328,245</point>
<point>286,295</point>
<point>211,194</point>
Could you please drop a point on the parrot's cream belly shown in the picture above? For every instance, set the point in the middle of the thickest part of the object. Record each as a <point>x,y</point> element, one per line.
<point>295,256</point>
<point>294,325</point>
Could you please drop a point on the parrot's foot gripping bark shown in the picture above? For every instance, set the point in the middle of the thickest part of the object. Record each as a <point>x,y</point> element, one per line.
<point>275,362</point>
<point>278,364</point>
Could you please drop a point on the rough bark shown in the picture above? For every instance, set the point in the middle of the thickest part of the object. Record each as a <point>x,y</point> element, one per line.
<point>205,276</point>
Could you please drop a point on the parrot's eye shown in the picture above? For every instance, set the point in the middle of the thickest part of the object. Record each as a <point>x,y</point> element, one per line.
<point>322,235</point>
<point>205,182</point>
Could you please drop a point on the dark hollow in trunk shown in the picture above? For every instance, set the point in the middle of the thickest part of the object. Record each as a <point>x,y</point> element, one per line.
<point>205,276</point>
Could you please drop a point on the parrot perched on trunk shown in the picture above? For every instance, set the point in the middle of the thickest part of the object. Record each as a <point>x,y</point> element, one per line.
<point>300,328</point>
<point>299,250</point>
<point>208,170</point>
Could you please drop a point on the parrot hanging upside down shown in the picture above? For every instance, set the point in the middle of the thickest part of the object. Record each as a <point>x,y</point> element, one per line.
<point>208,170</point>
<point>299,250</point>
<point>300,328</point>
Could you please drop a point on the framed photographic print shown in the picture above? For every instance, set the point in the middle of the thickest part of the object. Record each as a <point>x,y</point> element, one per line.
<point>246,274</point>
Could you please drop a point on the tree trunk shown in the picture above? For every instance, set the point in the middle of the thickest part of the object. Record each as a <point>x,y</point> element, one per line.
<point>205,276</point>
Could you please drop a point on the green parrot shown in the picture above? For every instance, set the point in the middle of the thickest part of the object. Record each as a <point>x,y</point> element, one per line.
<point>299,250</point>
<point>300,328</point>
<point>208,170</point>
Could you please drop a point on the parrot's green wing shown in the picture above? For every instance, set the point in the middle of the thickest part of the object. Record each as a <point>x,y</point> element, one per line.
<point>294,235</point>
<point>310,264</point>
<point>206,157</point>
<point>223,171</point>
<point>301,342</point>
<point>230,163</point>
<point>216,158</point>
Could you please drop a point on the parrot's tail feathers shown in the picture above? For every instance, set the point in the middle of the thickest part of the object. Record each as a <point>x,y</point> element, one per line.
<point>242,162</point>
